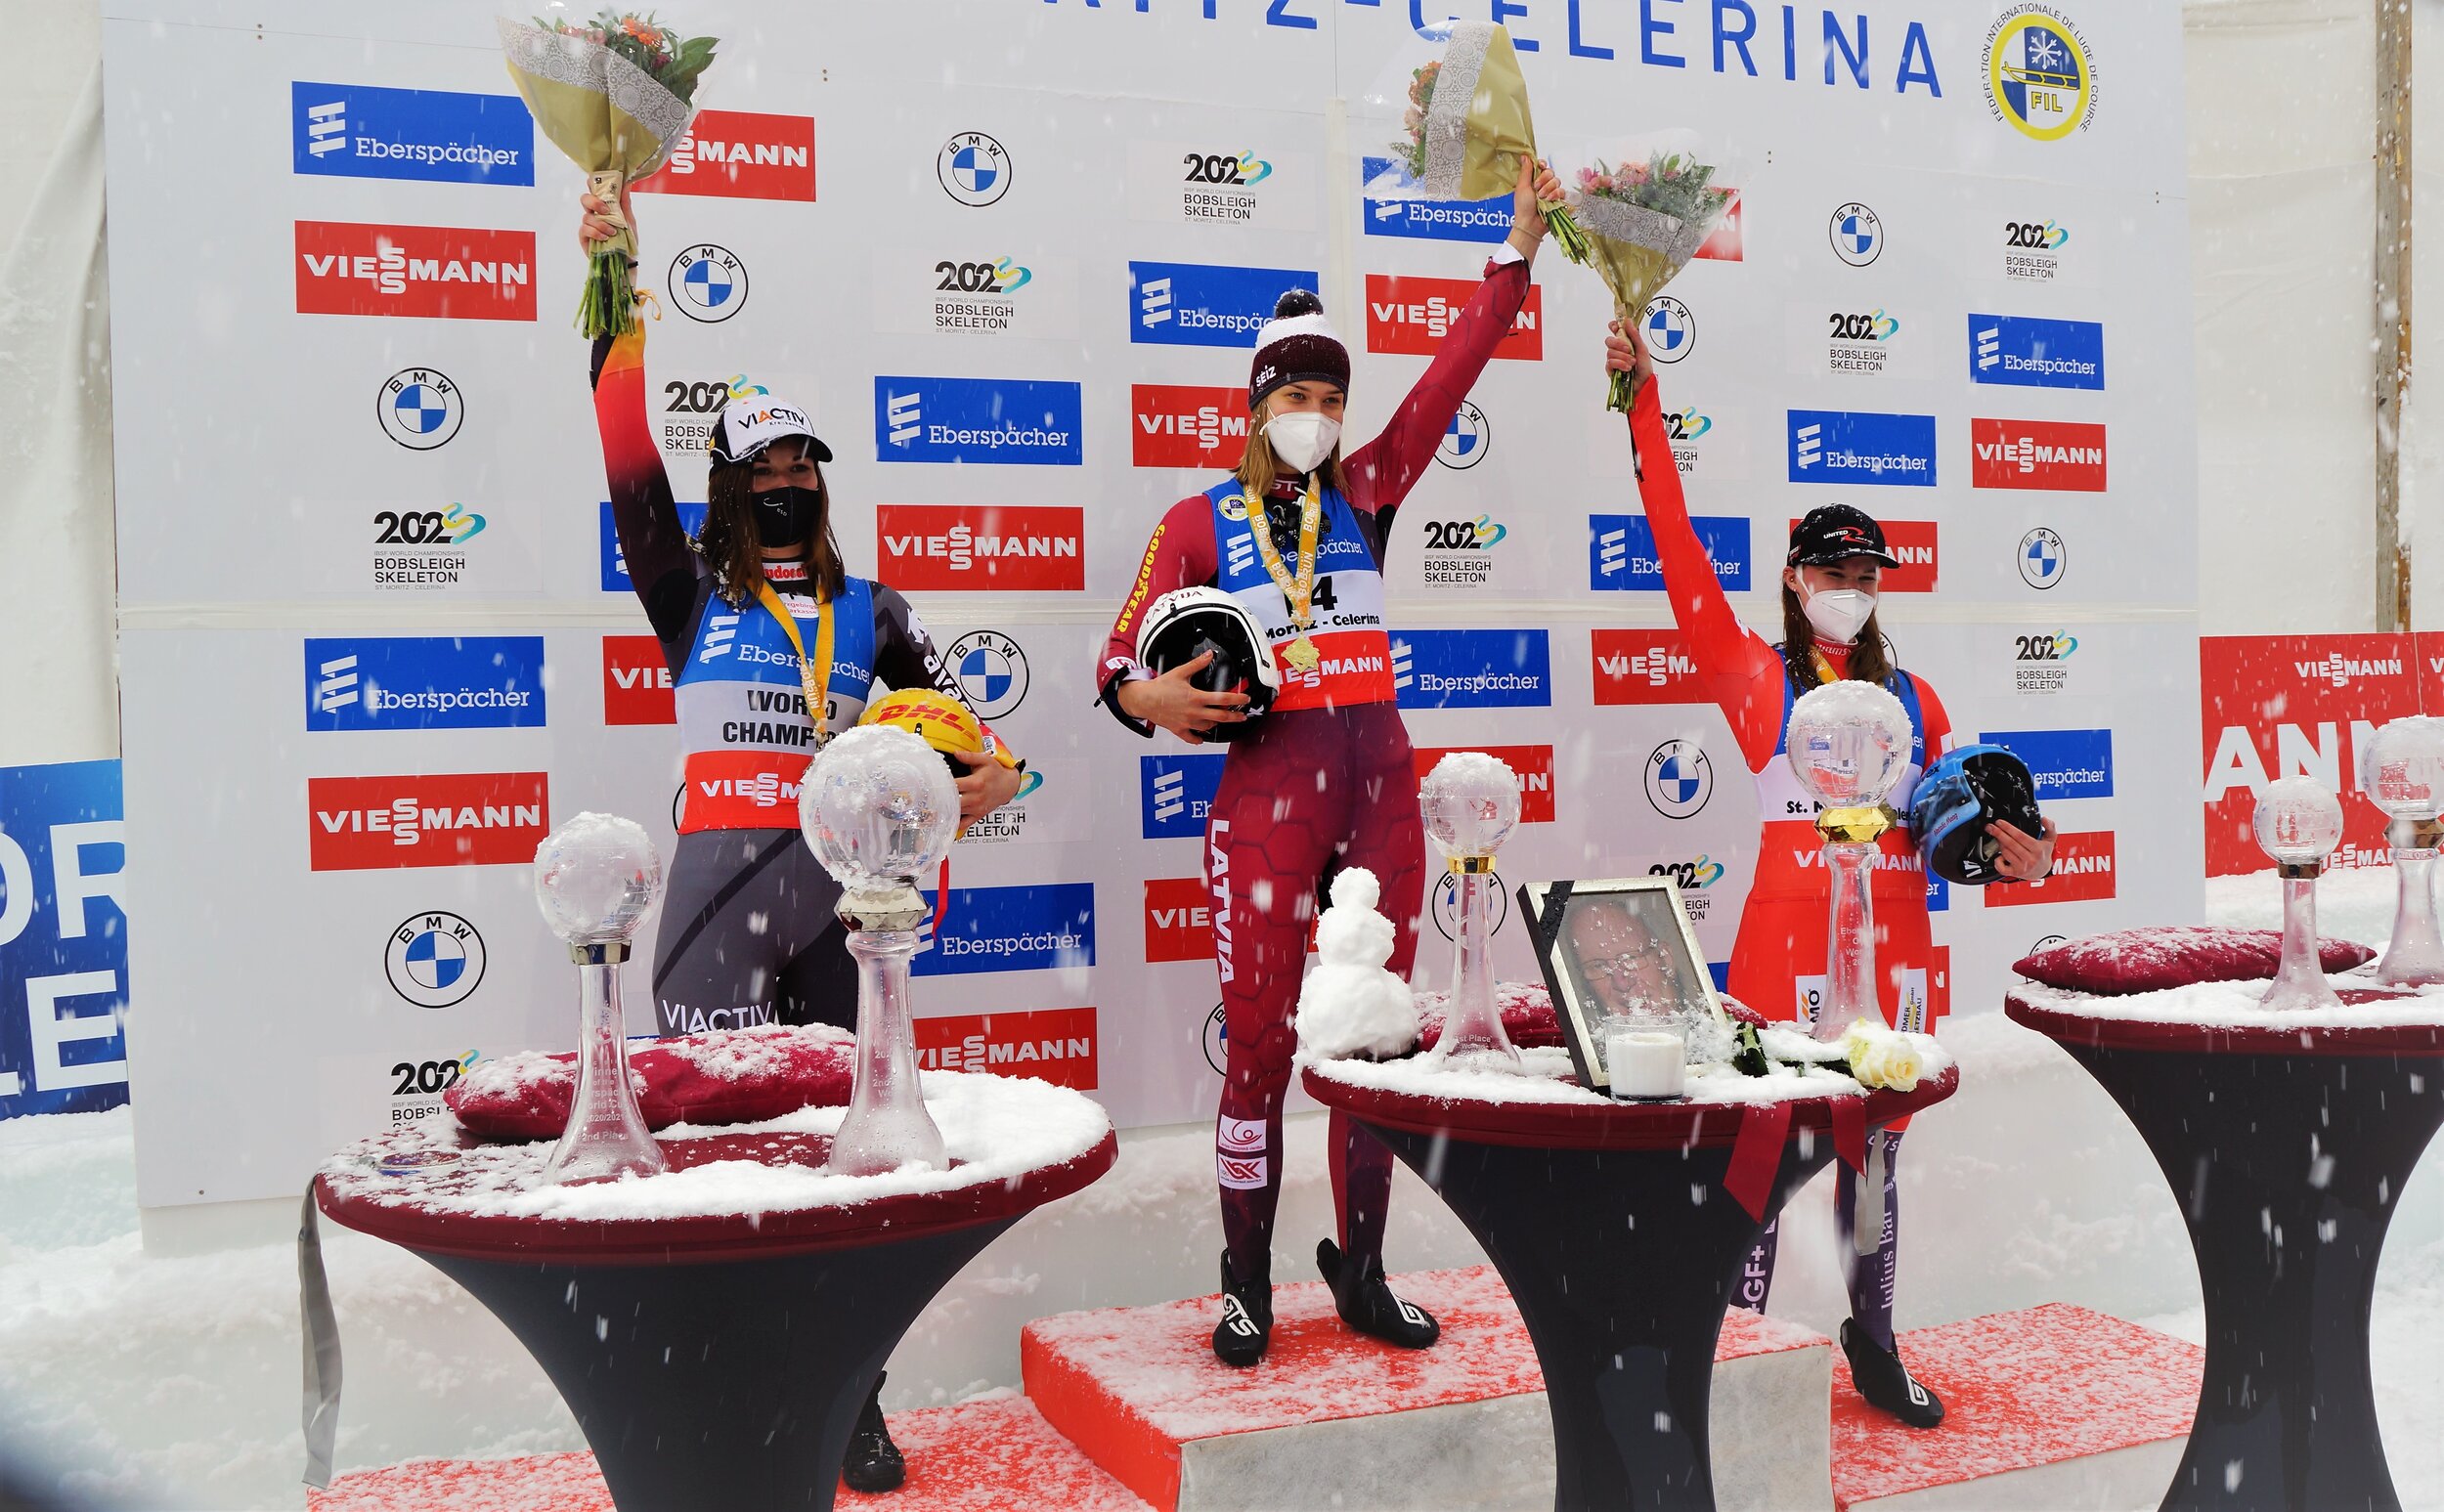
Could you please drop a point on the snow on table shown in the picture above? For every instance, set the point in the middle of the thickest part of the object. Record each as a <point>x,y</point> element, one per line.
<point>2236,1005</point>
<point>997,1130</point>
<point>1546,1076</point>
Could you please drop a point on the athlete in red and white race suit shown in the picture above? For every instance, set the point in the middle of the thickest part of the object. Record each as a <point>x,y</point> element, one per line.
<point>1323,780</point>
<point>1778,960</point>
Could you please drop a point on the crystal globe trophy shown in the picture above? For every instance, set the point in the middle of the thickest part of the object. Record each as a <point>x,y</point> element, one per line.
<point>2402,772</point>
<point>878,811</point>
<point>2298,823</point>
<point>1848,743</point>
<point>1470,802</point>
<point>595,879</point>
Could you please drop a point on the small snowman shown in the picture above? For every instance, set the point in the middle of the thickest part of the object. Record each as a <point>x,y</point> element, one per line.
<point>1350,1005</point>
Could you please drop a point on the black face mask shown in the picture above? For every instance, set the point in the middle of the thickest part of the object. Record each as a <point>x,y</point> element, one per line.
<point>786,516</point>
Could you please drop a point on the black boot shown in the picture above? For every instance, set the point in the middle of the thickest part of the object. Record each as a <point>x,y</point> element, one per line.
<point>1367,1303</point>
<point>1246,1325</point>
<point>873,1462</point>
<point>1884,1382</point>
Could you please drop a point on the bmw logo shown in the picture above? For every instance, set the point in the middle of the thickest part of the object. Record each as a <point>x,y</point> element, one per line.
<point>708,282</point>
<point>991,671</point>
<point>2042,559</point>
<point>419,408</point>
<point>1858,235</point>
<point>1446,905</point>
<point>1217,1039</point>
<point>1679,778</point>
<point>973,168</point>
<point>1468,439</point>
<point>434,960</point>
<point>1671,331</point>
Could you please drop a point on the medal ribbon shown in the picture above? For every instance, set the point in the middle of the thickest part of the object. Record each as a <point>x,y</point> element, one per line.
<point>1299,590</point>
<point>815,675</point>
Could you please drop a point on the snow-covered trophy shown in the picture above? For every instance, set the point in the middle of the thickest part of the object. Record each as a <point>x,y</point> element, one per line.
<point>2298,823</point>
<point>1849,741</point>
<point>1472,803</point>
<point>878,811</point>
<point>2402,772</point>
<point>595,879</point>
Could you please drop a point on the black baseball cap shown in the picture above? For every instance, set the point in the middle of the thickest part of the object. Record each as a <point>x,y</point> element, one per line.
<point>1834,532</point>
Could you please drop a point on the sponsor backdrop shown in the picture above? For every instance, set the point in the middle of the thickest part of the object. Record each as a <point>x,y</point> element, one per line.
<point>378,638</point>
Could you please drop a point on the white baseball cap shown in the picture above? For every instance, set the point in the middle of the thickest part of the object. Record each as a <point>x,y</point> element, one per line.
<point>746,426</point>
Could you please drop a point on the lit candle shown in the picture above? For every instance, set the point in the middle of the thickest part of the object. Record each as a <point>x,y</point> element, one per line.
<point>1646,1063</point>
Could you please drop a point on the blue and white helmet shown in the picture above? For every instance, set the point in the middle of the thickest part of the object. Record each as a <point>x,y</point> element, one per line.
<point>1960,795</point>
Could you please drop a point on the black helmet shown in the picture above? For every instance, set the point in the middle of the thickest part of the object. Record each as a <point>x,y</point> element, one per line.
<point>1185,624</point>
<point>1962,793</point>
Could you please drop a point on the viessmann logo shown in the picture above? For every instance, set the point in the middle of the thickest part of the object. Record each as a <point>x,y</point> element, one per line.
<point>1179,919</point>
<point>1919,558</point>
<point>434,819</point>
<point>1051,1043</point>
<point>2036,455</point>
<point>441,272</point>
<point>433,683</point>
<point>2083,872</point>
<point>741,154</point>
<point>636,682</point>
<point>1412,316</point>
<point>1173,425</point>
<point>1201,304</point>
<point>1033,549</point>
<point>1014,421</point>
<point>1533,765</point>
<point>1643,667</point>
<point>365,131</point>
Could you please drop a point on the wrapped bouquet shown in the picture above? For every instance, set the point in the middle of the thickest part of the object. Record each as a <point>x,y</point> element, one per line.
<point>616,94</point>
<point>1466,125</point>
<point>1642,222</point>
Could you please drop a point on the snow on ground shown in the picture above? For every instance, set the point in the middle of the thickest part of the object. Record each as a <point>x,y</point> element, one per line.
<point>177,1376</point>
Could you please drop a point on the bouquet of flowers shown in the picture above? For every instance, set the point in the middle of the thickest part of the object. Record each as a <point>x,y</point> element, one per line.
<point>1468,127</point>
<point>1644,221</point>
<point>616,94</point>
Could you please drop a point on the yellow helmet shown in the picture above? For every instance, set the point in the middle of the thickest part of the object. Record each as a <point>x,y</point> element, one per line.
<point>941,722</point>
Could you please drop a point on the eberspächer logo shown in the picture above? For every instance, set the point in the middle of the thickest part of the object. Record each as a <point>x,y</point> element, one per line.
<point>420,407</point>
<point>2039,75</point>
<point>365,131</point>
<point>974,169</point>
<point>434,960</point>
<point>708,282</point>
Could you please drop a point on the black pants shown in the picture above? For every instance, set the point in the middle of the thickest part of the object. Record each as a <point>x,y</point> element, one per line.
<point>748,937</point>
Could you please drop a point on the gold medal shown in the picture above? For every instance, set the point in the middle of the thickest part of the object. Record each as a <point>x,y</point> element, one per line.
<point>1297,584</point>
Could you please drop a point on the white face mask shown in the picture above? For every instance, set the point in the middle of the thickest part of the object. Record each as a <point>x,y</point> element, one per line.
<point>1838,614</point>
<point>1302,438</point>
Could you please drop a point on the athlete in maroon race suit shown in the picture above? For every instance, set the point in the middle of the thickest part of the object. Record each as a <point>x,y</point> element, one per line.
<point>1323,780</point>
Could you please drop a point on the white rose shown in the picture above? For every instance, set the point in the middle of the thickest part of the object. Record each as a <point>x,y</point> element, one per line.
<point>1880,1058</point>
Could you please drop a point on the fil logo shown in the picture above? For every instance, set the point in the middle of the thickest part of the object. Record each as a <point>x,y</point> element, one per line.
<point>904,415</point>
<point>326,127</point>
<point>1153,301</point>
<point>1810,444</point>
<point>337,688</point>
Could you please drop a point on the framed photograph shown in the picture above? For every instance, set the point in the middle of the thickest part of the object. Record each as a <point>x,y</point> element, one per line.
<point>1609,945</point>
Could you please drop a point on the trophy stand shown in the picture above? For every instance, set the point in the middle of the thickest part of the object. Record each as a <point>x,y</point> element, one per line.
<point>879,810</point>
<point>595,879</point>
<point>1846,744</point>
<point>2402,773</point>
<point>1470,803</point>
<point>2299,824</point>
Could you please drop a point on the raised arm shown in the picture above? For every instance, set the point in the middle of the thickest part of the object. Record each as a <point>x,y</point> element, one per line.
<point>1383,470</point>
<point>651,538</point>
<point>1739,671</point>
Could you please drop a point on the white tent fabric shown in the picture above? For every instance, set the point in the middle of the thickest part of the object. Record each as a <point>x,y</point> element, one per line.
<point>58,687</point>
